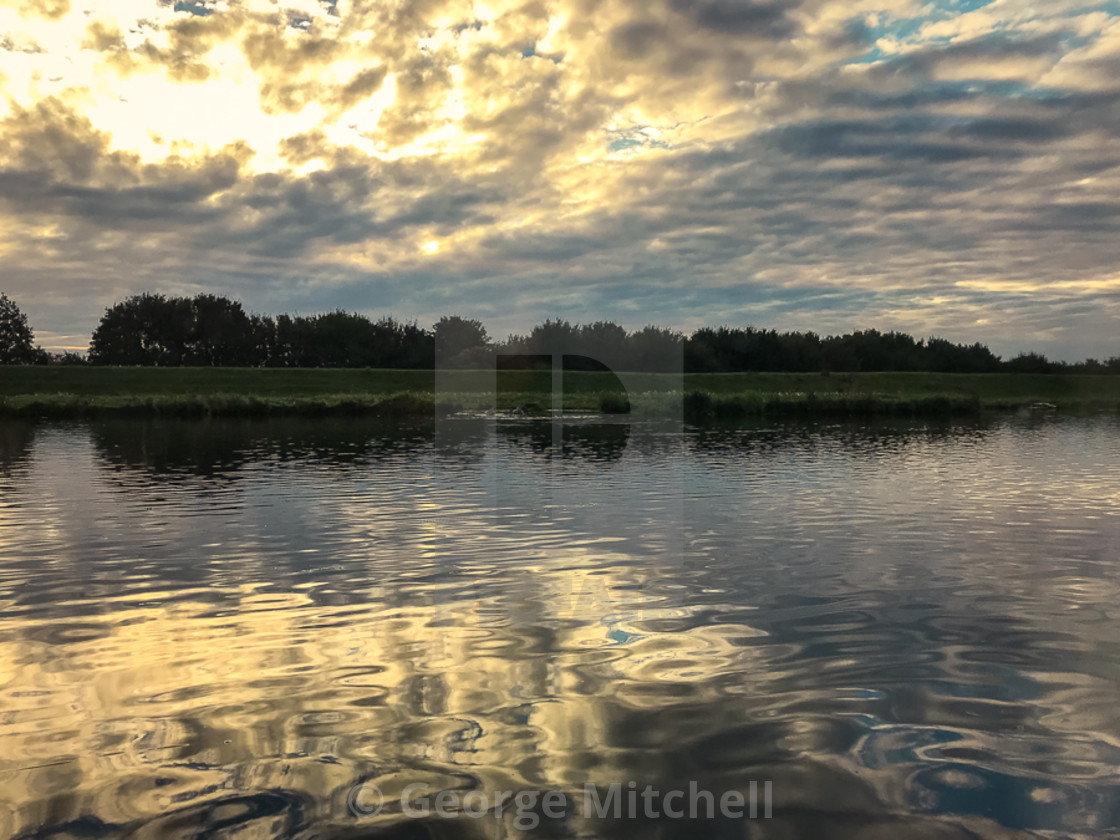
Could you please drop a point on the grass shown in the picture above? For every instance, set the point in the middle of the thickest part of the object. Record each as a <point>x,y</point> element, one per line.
<point>260,382</point>
<point>405,404</point>
<point>702,407</point>
<point>89,391</point>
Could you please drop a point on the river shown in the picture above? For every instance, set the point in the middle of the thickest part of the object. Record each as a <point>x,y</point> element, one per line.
<point>312,628</point>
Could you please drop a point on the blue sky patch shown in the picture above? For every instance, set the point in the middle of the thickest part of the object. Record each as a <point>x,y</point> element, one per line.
<point>194,7</point>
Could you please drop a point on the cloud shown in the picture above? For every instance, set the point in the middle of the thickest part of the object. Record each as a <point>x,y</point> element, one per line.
<point>741,17</point>
<point>50,9</point>
<point>812,164</point>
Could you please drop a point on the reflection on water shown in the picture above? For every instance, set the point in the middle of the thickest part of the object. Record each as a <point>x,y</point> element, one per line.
<point>15,443</point>
<point>219,629</point>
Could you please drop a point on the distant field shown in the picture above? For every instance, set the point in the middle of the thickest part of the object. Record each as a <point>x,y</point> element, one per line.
<point>67,391</point>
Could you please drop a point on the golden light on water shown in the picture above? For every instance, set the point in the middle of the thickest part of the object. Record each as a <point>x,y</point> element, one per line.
<point>222,620</point>
<point>457,686</point>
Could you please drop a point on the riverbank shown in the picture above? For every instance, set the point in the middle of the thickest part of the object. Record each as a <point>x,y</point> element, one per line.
<point>63,392</point>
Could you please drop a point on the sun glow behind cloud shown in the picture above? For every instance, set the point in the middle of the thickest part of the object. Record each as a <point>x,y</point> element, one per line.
<point>817,164</point>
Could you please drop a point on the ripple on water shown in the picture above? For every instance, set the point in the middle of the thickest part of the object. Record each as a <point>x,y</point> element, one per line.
<point>910,631</point>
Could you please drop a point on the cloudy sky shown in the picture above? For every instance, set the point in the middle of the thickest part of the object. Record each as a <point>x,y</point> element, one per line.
<point>944,168</point>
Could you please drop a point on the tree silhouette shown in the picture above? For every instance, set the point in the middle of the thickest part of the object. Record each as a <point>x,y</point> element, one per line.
<point>139,331</point>
<point>456,336</point>
<point>16,337</point>
<point>150,329</point>
<point>220,333</point>
<point>1030,363</point>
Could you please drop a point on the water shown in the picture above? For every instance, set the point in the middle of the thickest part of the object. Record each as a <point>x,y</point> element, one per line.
<point>258,630</point>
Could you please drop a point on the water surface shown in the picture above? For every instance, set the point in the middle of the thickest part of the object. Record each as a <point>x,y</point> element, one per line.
<point>219,629</point>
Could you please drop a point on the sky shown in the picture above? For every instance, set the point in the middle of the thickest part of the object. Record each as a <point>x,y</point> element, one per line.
<point>943,168</point>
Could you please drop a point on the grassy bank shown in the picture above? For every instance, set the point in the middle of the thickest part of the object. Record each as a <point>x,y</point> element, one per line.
<point>95,381</point>
<point>62,406</point>
<point>90,391</point>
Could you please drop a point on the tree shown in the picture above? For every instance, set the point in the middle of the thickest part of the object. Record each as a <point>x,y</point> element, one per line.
<point>411,346</point>
<point>1029,363</point>
<point>151,329</point>
<point>455,335</point>
<point>655,349</point>
<point>145,329</point>
<point>221,333</point>
<point>16,337</point>
<point>340,339</point>
<point>601,344</point>
<point>553,336</point>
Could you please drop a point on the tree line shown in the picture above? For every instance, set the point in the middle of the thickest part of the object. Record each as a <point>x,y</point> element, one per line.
<point>210,330</point>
